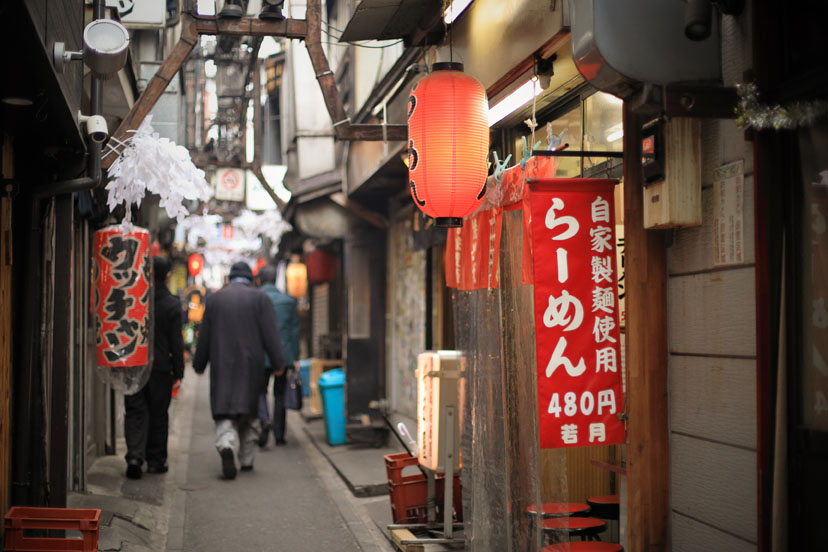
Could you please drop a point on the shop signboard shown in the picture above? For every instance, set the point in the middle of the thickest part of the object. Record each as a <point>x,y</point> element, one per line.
<point>577,326</point>
<point>230,185</point>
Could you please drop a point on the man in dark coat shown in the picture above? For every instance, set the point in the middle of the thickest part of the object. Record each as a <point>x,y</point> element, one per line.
<point>238,328</point>
<point>146,423</point>
<point>288,319</point>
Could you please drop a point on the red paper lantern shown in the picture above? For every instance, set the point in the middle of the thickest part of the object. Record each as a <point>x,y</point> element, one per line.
<point>194,264</point>
<point>122,297</point>
<point>320,266</point>
<point>448,143</point>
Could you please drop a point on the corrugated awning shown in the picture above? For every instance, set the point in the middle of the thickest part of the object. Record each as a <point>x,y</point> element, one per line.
<point>391,19</point>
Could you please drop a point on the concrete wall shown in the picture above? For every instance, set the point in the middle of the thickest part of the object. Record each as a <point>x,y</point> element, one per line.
<point>712,341</point>
<point>307,127</point>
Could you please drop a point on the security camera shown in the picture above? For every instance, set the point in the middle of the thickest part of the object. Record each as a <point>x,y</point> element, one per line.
<point>95,127</point>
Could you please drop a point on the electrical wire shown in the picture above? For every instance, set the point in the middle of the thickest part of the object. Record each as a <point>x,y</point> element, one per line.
<point>360,45</point>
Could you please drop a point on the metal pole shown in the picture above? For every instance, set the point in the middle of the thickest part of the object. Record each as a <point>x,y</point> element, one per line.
<point>448,481</point>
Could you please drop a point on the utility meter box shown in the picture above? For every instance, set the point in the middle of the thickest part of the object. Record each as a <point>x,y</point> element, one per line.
<point>440,399</point>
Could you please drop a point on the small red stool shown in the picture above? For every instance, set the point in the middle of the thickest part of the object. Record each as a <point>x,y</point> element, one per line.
<point>583,546</point>
<point>584,527</point>
<point>560,509</point>
<point>605,507</point>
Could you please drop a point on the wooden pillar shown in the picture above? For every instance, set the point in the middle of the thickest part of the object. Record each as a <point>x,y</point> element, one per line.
<point>648,468</point>
<point>62,350</point>
<point>5,331</point>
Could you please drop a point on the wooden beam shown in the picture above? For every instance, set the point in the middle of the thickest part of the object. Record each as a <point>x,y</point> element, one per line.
<point>648,466</point>
<point>249,26</point>
<point>361,211</point>
<point>157,85</point>
<point>343,128</point>
<point>257,170</point>
<point>375,133</point>
<point>324,75</point>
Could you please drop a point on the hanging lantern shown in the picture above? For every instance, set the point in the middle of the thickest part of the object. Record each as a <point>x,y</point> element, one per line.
<point>297,278</point>
<point>121,302</point>
<point>195,264</point>
<point>448,143</point>
<point>321,266</point>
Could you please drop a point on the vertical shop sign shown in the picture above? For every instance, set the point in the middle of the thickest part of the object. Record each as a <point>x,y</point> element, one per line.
<point>577,335</point>
<point>121,296</point>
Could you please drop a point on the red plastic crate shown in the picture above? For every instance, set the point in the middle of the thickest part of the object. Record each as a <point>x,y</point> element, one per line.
<point>22,519</point>
<point>409,493</point>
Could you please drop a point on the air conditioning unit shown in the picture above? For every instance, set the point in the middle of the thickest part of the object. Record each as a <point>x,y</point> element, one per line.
<point>619,45</point>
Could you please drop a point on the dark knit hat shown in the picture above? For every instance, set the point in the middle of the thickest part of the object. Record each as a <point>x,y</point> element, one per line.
<point>241,270</point>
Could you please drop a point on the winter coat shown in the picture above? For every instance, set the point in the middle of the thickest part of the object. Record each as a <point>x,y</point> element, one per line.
<point>238,327</point>
<point>168,354</point>
<point>288,319</point>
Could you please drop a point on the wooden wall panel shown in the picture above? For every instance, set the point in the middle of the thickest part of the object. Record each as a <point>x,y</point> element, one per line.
<point>714,398</point>
<point>691,536</point>
<point>6,260</point>
<point>37,11</point>
<point>586,480</point>
<point>712,313</point>
<point>715,484</point>
<point>64,23</point>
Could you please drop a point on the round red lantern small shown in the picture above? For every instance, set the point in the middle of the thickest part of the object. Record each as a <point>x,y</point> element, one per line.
<point>195,264</point>
<point>448,143</point>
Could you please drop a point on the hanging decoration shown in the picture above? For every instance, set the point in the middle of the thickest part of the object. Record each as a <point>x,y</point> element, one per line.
<point>121,302</point>
<point>752,113</point>
<point>448,143</point>
<point>149,163</point>
<point>195,264</point>
<point>297,278</point>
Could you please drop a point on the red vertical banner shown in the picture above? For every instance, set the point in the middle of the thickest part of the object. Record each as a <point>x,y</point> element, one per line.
<point>577,335</point>
<point>121,296</point>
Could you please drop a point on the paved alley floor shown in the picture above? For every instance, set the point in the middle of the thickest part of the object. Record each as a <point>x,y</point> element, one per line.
<point>292,500</point>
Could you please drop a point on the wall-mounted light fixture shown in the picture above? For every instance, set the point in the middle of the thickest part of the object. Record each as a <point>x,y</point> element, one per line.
<point>105,44</point>
<point>540,80</point>
<point>454,10</point>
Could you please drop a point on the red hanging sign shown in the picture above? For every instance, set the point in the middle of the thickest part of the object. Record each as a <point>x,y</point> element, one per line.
<point>577,336</point>
<point>121,297</point>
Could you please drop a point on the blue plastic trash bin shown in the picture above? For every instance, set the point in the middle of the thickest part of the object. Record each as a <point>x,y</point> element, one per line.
<point>304,375</point>
<point>332,389</point>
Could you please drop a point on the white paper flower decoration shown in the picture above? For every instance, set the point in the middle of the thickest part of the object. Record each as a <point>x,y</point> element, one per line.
<point>153,164</point>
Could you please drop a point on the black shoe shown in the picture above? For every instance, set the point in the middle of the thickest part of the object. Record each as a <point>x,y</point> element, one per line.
<point>133,469</point>
<point>271,13</point>
<point>228,464</point>
<point>281,442</point>
<point>157,468</point>
<point>264,434</point>
<point>247,468</point>
<point>232,9</point>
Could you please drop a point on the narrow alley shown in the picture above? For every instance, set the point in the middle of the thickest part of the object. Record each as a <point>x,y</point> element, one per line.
<point>520,275</point>
<point>292,500</point>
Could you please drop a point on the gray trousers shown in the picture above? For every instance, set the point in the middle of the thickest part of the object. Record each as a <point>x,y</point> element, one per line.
<point>241,435</point>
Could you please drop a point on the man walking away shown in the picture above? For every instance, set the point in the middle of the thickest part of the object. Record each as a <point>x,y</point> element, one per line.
<point>288,319</point>
<point>238,328</point>
<point>146,424</point>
